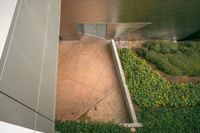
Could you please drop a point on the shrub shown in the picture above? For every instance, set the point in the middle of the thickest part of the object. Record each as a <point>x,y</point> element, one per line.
<point>150,90</point>
<point>166,107</point>
<point>170,120</point>
<point>181,58</point>
<point>89,127</point>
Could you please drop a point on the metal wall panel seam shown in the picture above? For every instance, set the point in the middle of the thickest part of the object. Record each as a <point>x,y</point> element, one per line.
<point>41,70</point>
<point>56,64</point>
<point>26,106</point>
<point>4,64</point>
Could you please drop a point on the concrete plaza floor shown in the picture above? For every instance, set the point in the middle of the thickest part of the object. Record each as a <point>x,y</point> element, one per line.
<point>88,87</point>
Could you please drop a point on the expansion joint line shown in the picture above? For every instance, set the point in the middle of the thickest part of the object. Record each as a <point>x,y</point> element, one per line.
<point>12,98</point>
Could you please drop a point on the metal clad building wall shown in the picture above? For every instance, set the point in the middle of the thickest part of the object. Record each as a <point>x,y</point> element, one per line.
<point>28,65</point>
<point>169,18</point>
<point>94,29</point>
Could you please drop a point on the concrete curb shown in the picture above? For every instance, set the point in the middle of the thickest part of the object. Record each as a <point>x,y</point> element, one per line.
<point>124,87</point>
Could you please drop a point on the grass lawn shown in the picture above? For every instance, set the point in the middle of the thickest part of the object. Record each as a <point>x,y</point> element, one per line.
<point>178,59</point>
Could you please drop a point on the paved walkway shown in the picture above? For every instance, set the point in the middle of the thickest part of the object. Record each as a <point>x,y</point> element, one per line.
<point>87,86</point>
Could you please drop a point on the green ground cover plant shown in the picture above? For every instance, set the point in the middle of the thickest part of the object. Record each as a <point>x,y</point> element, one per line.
<point>89,127</point>
<point>166,107</point>
<point>170,120</point>
<point>150,90</point>
<point>182,58</point>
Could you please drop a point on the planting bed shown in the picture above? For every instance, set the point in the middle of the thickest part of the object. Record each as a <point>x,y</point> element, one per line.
<point>166,106</point>
<point>89,127</point>
<point>182,58</point>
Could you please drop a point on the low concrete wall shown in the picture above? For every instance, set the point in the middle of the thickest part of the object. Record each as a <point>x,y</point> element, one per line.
<point>124,87</point>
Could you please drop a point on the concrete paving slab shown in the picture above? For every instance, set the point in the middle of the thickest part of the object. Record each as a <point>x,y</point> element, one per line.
<point>72,98</point>
<point>87,82</point>
<point>109,109</point>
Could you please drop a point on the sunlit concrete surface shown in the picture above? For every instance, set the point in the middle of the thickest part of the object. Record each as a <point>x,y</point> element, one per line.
<point>87,86</point>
